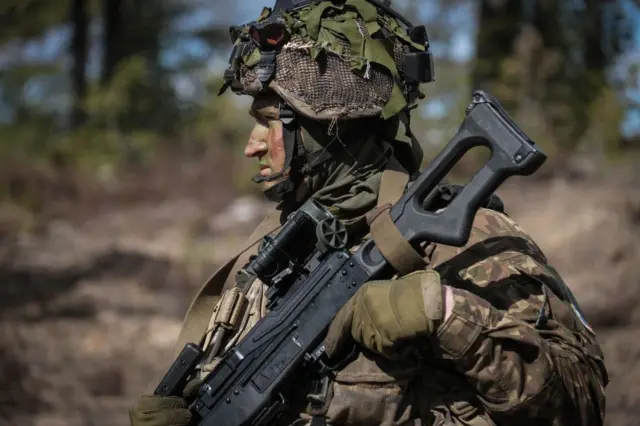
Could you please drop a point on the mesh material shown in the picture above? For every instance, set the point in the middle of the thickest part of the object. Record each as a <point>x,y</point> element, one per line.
<point>248,76</point>
<point>399,52</point>
<point>328,82</point>
<point>399,49</point>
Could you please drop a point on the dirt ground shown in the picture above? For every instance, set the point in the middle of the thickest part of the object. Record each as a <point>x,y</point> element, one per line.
<point>91,304</point>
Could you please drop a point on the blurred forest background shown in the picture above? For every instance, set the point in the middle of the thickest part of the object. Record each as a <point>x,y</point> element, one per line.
<point>123,185</point>
<point>96,88</point>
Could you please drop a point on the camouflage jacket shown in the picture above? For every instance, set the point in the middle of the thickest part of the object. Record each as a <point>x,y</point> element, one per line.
<point>513,350</point>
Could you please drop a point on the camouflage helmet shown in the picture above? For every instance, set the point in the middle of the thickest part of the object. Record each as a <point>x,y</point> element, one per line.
<point>332,59</point>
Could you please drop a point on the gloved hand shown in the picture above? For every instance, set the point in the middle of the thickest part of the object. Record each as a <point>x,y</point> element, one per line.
<point>383,315</point>
<point>153,410</point>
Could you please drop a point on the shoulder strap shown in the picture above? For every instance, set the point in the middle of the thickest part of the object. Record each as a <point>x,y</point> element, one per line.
<point>198,315</point>
<point>393,246</point>
<point>414,144</point>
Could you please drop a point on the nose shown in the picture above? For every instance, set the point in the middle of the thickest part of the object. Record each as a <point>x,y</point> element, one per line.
<point>255,148</point>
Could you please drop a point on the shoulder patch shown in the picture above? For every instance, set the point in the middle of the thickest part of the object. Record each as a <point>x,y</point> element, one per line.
<point>497,248</point>
<point>498,267</point>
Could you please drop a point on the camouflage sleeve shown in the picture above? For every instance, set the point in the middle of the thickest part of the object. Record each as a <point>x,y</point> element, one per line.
<point>518,365</point>
<point>505,360</point>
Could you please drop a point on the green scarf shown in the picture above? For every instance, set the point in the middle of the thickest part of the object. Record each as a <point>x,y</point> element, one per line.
<point>349,182</point>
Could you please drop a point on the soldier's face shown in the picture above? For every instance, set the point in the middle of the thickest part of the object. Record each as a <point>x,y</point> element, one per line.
<point>266,144</point>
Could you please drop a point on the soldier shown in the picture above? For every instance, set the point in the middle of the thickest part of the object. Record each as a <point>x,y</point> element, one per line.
<point>486,334</point>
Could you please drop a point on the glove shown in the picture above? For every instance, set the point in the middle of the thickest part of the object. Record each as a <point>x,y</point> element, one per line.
<point>383,316</point>
<point>154,410</point>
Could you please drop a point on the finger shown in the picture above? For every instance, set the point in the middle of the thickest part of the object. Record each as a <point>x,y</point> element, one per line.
<point>192,389</point>
<point>151,410</point>
<point>339,330</point>
<point>149,403</point>
<point>176,417</point>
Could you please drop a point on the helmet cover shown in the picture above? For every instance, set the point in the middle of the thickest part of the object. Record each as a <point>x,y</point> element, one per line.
<point>328,60</point>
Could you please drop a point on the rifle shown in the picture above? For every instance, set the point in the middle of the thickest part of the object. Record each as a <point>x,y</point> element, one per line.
<point>311,274</point>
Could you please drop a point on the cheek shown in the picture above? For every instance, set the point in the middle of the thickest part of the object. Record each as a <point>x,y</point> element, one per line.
<point>276,144</point>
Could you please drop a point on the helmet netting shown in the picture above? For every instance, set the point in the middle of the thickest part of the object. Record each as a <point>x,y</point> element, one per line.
<point>327,87</point>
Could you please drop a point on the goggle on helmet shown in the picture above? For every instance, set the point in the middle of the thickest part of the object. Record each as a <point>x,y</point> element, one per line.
<point>269,54</point>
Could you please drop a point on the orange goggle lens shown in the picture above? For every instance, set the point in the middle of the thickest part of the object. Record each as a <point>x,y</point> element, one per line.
<point>269,36</point>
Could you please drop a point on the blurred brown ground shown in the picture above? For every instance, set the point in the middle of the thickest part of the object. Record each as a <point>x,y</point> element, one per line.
<point>92,297</point>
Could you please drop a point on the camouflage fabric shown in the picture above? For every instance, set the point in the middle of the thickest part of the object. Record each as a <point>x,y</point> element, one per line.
<point>490,365</point>
<point>342,60</point>
<point>554,374</point>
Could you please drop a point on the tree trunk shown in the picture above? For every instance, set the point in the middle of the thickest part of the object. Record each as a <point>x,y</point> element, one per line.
<point>594,31</point>
<point>499,24</point>
<point>112,11</point>
<point>79,47</point>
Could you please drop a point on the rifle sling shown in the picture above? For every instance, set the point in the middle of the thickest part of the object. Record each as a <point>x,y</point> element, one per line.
<point>392,244</point>
<point>198,315</point>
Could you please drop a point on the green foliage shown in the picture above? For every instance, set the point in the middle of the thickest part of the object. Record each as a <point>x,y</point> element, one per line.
<point>107,104</point>
<point>551,72</point>
<point>130,111</point>
<point>30,18</point>
<point>103,144</point>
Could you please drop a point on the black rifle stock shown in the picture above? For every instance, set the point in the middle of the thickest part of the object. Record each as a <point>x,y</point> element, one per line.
<point>311,275</point>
